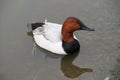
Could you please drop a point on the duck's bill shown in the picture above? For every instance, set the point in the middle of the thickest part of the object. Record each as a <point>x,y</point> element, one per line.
<point>87,28</point>
<point>84,27</point>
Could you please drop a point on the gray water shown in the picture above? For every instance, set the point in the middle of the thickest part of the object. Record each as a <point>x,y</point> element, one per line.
<point>99,49</point>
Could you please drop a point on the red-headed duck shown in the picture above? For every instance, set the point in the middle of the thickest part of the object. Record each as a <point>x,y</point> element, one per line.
<point>58,38</point>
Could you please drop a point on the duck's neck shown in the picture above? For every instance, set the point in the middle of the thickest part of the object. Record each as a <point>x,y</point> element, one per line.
<point>69,44</point>
<point>67,36</point>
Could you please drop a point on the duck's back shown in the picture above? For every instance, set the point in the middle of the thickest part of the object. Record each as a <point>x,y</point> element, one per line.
<point>49,37</point>
<point>52,32</point>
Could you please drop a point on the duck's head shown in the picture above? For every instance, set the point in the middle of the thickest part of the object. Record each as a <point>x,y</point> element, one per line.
<point>72,24</point>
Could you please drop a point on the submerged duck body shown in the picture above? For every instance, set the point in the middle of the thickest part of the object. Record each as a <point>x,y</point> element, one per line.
<point>58,38</point>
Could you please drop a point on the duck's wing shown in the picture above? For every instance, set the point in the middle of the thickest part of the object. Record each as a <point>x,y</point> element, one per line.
<point>52,31</point>
<point>48,45</point>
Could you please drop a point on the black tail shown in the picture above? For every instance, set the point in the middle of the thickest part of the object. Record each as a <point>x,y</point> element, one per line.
<point>33,26</point>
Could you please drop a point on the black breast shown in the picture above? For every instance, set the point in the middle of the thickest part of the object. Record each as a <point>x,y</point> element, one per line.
<point>71,47</point>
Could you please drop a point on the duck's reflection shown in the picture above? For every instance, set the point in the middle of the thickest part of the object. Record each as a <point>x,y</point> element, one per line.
<point>69,69</point>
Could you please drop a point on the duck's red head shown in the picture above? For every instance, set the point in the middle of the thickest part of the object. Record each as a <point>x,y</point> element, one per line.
<point>70,25</point>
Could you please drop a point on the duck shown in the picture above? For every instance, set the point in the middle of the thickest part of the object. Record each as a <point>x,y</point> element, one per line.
<point>58,38</point>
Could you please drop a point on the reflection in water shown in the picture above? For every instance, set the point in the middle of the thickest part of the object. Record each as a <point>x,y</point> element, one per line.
<point>69,69</point>
<point>30,33</point>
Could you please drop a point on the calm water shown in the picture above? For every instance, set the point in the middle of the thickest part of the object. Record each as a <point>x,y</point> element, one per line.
<point>98,49</point>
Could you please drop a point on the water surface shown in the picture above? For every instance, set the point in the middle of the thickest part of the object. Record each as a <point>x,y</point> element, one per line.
<point>98,49</point>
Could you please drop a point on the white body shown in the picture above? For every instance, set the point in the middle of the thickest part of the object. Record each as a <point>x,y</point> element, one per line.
<point>49,37</point>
